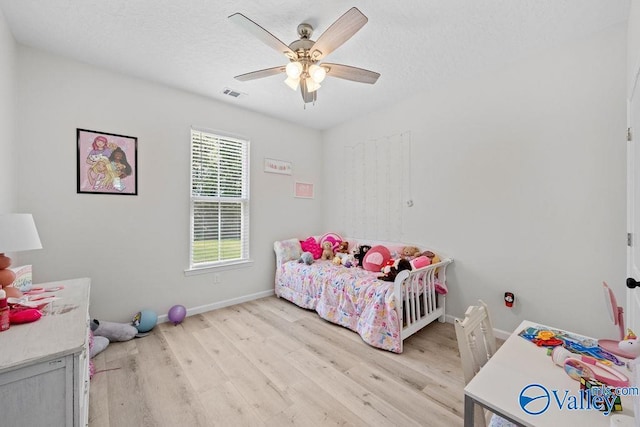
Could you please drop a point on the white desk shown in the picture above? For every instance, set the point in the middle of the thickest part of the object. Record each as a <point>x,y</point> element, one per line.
<point>518,364</point>
<point>44,365</point>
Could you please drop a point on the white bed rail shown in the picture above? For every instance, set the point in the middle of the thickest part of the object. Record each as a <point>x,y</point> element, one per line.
<point>417,301</point>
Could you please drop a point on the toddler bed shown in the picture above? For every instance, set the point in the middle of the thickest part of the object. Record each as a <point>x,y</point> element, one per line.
<point>383,313</point>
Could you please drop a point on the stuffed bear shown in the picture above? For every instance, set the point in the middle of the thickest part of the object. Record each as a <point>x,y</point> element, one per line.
<point>343,247</point>
<point>400,265</point>
<point>327,251</point>
<point>410,252</point>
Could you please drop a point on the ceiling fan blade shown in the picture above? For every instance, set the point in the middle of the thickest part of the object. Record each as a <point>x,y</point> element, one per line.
<point>348,72</point>
<point>267,72</point>
<point>307,96</point>
<point>338,33</point>
<point>263,35</point>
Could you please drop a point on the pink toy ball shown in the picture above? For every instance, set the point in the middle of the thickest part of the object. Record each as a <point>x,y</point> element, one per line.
<point>177,314</point>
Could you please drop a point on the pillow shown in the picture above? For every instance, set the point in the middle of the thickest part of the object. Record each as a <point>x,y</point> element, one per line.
<point>375,258</point>
<point>334,238</point>
<point>287,250</point>
<point>310,245</point>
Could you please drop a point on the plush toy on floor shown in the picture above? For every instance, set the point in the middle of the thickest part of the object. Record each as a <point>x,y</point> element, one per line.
<point>113,331</point>
<point>140,326</point>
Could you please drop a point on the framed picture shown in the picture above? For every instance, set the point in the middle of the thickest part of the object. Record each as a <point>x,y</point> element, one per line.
<point>303,190</point>
<point>107,163</point>
<point>277,166</point>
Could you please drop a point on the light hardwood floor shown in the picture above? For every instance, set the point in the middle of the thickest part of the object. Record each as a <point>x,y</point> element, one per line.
<point>270,363</point>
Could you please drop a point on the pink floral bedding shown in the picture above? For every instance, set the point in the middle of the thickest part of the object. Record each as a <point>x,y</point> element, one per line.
<point>365,305</point>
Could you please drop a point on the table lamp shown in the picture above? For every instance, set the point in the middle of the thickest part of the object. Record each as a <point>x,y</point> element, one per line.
<point>17,233</point>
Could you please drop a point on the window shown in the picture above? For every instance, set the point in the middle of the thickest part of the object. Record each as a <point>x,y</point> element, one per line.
<point>219,200</point>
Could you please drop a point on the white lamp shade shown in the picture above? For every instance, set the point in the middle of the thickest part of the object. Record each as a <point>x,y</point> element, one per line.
<point>294,69</point>
<point>18,233</point>
<point>293,83</point>
<point>317,73</point>
<point>312,86</point>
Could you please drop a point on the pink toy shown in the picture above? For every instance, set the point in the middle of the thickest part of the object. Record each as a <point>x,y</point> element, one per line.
<point>310,245</point>
<point>376,258</point>
<point>630,344</point>
<point>421,261</point>
<point>616,314</point>
<point>333,238</point>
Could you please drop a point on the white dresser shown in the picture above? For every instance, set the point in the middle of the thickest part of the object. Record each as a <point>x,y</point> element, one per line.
<point>44,365</point>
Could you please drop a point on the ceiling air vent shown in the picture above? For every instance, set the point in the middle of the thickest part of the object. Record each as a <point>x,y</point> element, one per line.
<point>233,93</point>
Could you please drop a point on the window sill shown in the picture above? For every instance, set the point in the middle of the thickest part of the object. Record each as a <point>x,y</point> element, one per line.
<point>220,267</point>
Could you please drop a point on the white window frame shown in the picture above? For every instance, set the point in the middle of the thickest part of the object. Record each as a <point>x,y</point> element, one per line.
<point>220,138</point>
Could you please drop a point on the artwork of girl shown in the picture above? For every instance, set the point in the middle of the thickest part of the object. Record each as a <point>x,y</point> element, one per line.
<point>107,163</point>
<point>101,147</point>
<point>119,163</point>
<point>100,174</point>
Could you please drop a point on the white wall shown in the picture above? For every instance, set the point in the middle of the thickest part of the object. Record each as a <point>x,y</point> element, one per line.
<point>520,176</point>
<point>8,193</point>
<point>135,248</point>
<point>633,42</point>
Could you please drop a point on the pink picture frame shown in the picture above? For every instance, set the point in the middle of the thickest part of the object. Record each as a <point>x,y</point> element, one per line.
<point>107,163</point>
<point>303,190</point>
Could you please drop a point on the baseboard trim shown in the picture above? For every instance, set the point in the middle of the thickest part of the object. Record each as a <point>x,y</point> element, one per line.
<point>220,304</point>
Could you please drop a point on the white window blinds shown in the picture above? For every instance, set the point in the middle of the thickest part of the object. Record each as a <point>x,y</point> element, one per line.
<point>219,200</point>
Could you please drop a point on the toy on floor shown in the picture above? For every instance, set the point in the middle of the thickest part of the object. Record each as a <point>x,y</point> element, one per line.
<point>97,344</point>
<point>144,321</point>
<point>177,313</point>
<point>113,331</point>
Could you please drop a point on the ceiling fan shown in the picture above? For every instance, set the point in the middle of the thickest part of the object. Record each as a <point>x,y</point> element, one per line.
<point>304,70</point>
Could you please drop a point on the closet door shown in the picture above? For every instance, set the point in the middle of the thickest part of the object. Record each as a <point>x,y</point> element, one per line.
<point>633,207</point>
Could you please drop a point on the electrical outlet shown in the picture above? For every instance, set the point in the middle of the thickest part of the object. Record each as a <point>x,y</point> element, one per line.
<point>216,278</point>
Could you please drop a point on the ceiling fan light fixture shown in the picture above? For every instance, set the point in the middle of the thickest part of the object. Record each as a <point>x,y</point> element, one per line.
<point>312,85</point>
<point>294,69</point>
<point>293,83</point>
<point>317,73</point>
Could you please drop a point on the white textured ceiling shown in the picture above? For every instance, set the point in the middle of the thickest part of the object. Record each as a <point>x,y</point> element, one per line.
<point>415,45</point>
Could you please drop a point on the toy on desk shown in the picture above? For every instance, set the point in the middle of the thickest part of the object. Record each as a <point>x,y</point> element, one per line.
<point>541,337</point>
<point>616,314</point>
<point>573,343</point>
<point>24,315</point>
<point>578,366</point>
<point>591,387</point>
<point>630,344</point>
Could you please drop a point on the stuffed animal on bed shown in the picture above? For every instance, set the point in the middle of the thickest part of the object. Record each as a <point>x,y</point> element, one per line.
<point>343,247</point>
<point>410,252</point>
<point>359,254</point>
<point>327,251</point>
<point>306,257</point>
<point>400,265</point>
